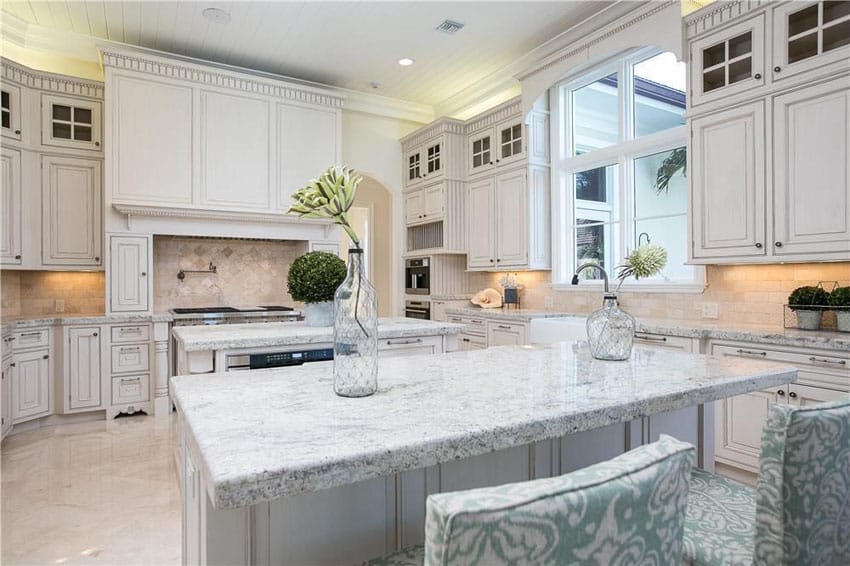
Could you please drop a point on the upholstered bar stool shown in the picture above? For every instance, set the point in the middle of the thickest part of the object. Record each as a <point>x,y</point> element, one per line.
<point>799,512</point>
<point>627,510</point>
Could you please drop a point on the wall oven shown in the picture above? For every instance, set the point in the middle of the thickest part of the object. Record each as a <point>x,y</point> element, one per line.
<point>417,309</point>
<point>418,276</point>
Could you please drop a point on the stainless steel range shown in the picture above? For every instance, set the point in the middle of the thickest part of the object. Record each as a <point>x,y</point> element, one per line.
<point>232,315</point>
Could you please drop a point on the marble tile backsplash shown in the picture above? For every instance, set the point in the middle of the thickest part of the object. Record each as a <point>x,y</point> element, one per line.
<point>34,293</point>
<point>249,272</point>
<point>745,294</point>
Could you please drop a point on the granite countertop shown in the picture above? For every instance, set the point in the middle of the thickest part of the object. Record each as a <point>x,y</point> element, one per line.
<point>12,323</point>
<point>258,335</point>
<point>838,341</point>
<point>261,435</point>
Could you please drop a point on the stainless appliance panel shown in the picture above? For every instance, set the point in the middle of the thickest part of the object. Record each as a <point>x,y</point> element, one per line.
<point>417,309</point>
<point>417,276</point>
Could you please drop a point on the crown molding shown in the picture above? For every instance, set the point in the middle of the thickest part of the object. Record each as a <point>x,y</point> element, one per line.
<point>441,126</point>
<point>717,14</point>
<point>216,215</point>
<point>20,74</point>
<point>30,36</point>
<point>504,111</point>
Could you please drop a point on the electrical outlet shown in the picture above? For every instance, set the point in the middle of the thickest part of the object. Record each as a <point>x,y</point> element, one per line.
<point>548,302</point>
<point>709,310</point>
<point>59,305</point>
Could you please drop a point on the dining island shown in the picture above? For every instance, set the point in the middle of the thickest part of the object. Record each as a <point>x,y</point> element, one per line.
<point>277,469</point>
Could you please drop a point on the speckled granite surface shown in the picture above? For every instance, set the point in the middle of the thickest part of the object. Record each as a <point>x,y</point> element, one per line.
<point>258,335</point>
<point>271,433</point>
<point>11,324</point>
<point>838,341</point>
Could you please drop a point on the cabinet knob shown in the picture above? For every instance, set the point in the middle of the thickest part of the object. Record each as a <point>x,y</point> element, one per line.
<point>781,393</point>
<point>94,334</point>
<point>491,163</point>
<point>777,68</point>
<point>792,394</point>
<point>757,76</point>
<point>777,244</point>
<point>97,144</point>
<point>13,365</point>
<point>17,132</point>
<point>498,260</point>
<point>18,257</point>
<point>45,356</point>
<point>758,245</point>
<point>97,259</point>
<point>497,161</point>
<point>491,261</point>
<point>144,273</point>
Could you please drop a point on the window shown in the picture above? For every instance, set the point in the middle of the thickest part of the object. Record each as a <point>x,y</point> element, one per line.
<point>620,169</point>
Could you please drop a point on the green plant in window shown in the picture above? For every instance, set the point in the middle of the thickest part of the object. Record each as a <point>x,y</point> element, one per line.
<point>672,164</point>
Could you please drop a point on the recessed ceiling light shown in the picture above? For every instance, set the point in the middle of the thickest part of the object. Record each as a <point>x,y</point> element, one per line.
<point>405,61</point>
<point>216,15</point>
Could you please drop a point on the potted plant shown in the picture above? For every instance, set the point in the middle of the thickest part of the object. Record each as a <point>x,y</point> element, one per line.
<point>313,280</point>
<point>839,300</point>
<point>802,299</point>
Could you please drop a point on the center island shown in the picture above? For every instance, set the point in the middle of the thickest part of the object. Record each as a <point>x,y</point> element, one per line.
<point>277,469</point>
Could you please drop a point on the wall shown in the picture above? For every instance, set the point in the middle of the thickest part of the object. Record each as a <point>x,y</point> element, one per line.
<point>745,294</point>
<point>34,293</point>
<point>249,272</point>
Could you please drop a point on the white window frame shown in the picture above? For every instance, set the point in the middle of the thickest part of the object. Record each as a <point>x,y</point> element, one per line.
<point>622,155</point>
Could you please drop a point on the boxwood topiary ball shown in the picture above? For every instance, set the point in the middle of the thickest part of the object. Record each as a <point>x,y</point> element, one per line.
<point>314,277</point>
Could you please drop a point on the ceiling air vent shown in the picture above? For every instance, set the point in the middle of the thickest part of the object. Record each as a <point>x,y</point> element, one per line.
<point>449,27</point>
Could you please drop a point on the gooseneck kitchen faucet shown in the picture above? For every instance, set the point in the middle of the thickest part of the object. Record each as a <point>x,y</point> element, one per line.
<point>587,265</point>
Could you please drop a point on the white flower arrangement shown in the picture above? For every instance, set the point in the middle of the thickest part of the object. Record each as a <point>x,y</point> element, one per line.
<point>509,281</point>
<point>645,261</point>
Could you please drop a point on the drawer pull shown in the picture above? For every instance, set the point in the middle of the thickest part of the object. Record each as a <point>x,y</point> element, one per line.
<point>651,338</point>
<point>826,361</point>
<point>473,321</point>
<point>133,330</point>
<point>751,352</point>
<point>130,380</point>
<point>130,349</point>
<point>505,326</point>
<point>30,334</point>
<point>402,342</point>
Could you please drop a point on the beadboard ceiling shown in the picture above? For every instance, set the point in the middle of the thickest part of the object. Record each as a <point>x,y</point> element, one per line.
<point>344,44</point>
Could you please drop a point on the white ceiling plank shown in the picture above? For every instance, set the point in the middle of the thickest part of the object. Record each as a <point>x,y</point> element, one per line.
<point>148,14</point>
<point>131,13</point>
<point>61,15</point>
<point>79,18</point>
<point>97,19</point>
<point>166,26</point>
<point>114,21</point>
<point>21,10</point>
<point>43,17</point>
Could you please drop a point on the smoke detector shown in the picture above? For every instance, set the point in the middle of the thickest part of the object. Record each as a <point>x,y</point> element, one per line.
<point>449,27</point>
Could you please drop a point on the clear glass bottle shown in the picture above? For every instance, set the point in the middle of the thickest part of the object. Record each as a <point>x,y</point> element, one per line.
<point>610,331</point>
<point>355,332</point>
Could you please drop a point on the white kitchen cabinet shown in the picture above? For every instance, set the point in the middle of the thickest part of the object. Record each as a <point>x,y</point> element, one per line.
<point>71,211</point>
<point>481,224</point>
<point>506,333</point>
<point>309,141</point>
<point>811,145</point>
<point>496,146</point>
<point>425,205</point>
<point>10,201</point>
<point>10,111</point>
<point>728,62</point>
<point>396,347</point>
<point>481,152</point>
<point>5,395</point>
<point>511,198</point>
<point>728,183</point>
<point>425,162</point>
<point>30,385</point>
<point>414,207</point>
<point>129,284</point>
<point>810,36</point>
<point>129,389</point>
<point>131,358</point>
<point>677,343</point>
<point>70,122</point>
<point>84,369</point>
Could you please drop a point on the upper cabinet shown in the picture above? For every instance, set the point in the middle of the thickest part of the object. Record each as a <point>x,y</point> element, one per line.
<point>433,154</point>
<point>810,35</point>
<point>183,136</point>
<point>497,146</point>
<point>10,206</point>
<point>70,122</point>
<point>10,111</point>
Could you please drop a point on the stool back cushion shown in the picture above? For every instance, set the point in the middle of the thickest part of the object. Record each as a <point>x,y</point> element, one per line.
<point>628,510</point>
<point>803,493</point>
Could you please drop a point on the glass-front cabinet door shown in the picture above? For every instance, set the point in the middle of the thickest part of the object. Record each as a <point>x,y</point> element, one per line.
<point>481,154</point>
<point>809,35</point>
<point>511,142</point>
<point>728,62</point>
<point>70,122</point>
<point>10,111</point>
<point>414,167</point>
<point>433,159</point>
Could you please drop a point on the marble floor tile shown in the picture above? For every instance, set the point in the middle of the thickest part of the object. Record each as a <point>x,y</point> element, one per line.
<point>101,492</point>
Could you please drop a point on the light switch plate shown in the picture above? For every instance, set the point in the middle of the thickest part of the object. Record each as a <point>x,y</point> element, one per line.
<point>709,310</point>
<point>59,305</point>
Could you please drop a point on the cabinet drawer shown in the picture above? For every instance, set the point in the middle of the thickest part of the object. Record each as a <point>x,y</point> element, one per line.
<point>506,334</point>
<point>130,389</point>
<point>396,347</point>
<point>30,339</point>
<point>471,342</point>
<point>129,358</point>
<point>474,325</point>
<point>666,342</point>
<point>816,367</point>
<point>134,333</point>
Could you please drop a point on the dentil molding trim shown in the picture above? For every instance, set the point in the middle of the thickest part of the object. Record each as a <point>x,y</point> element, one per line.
<point>441,126</point>
<point>221,215</point>
<point>502,112</point>
<point>17,73</point>
<point>717,14</point>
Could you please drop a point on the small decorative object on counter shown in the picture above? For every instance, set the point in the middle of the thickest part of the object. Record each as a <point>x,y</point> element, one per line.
<point>511,285</point>
<point>355,312</point>
<point>611,330</point>
<point>489,298</point>
<point>808,303</point>
<point>839,301</point>
<point>313,279</point>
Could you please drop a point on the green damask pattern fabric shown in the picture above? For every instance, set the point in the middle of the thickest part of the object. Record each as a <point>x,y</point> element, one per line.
<point>628,510</point>
<point>803,493</point>
<point>720,525</point>
<point>413,556</point>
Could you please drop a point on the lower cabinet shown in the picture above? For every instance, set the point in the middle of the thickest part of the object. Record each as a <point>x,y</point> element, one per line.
<point>6,396</point>
<point>396,347</point>
<point>506,334</point>
<point>84,369</point>
<point>129,284</point>
<point>665,342</point>
<point>30,385</point>
<point>823,376</point>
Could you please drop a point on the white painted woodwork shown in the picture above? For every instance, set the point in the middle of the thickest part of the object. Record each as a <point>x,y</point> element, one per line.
<point>309,141</point>
<point>92,123</point>
<point>480,152</point>
<point>84,368</point>
<point>72,225</point>
<point>739,423</point>
<point>511,211</point>
<point>5,396</point>
<point>698,94</point>
<point>822,61</point>
<point>396,347</point>
<point>30,385</point>
<point>811,145</point>
<point>151,140</point>
<point>506,334</point>
<point>128,273</point>
<point>130,358</point>
<point>434,202</point>
<point>414,207</point>
<point>807,396</point>
<point>471,342</point>
<point>131,333</point>
<point>10,201</point>
<point>162,362</point>
<point>30,338</point>
<point>538,138</point>
<point>235,151</point>
<point>13,131</point>
<point>664,342</point>
<point>130,389</point>
<point>728,183</point>
<point>538,219</point>
<point>481,224</point>
<point>505,137</point>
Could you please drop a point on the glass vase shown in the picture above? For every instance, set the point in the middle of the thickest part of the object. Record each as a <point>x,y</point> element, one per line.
<point>355,332</point>
<point>610,331</point>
